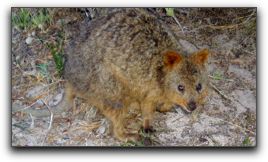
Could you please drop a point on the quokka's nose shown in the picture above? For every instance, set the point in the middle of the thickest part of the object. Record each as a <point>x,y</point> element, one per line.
<point>192,105</point>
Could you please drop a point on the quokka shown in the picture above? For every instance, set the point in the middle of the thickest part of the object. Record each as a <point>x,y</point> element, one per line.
<point>127,57</point>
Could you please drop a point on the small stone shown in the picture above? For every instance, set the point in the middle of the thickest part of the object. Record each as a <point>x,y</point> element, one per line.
<point>40,103</point>
<point>17,58</point>
<point>101,130</point>
<point>40,26</point>
<point>35,91</point>
<point>56,100</point>
<point>29,40</point>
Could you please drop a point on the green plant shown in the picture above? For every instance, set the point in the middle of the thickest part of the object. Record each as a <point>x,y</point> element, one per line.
<point>43,69</point>
<point>24,19</point>
<point>170,11</point>
<point>217,76</point>
<point>41,18</point>
<point>21,19</point>
<point>247,142</point>
<point>56,50</point>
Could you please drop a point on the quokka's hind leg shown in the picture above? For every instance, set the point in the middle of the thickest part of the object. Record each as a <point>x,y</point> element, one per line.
<point>121,132</point>
<point>117,117</point>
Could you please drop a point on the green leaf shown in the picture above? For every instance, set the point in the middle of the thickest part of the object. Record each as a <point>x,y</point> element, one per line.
<point>247,142</point>
<point>56,50</point>
<point>217,76</point>
<point>43,69</point>
<point>170,11</point>
<point>58,59</point>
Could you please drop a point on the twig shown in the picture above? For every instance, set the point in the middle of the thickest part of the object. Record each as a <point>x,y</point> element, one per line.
<point>177,21</point>
<point>27,107</point>
<point>50,122</point>
<point>51,115</point>
<point>32,123</point>
<point>219,92</point>
<point>213,77</point>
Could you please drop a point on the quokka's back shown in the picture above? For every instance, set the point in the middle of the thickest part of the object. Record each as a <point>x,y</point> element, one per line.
<point>130,41</point>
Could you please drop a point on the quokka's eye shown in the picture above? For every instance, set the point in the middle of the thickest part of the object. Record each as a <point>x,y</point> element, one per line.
<point>198,87</point>
<point>181,88</point>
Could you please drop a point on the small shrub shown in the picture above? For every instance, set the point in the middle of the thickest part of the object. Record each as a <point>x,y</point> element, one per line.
<point>24,19</point>
<point>56,50</point>
<point>42,17</point>
<point>247,142</point>
<point>21,19</point>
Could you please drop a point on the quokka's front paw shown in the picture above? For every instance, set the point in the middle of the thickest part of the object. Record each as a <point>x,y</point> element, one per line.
<point>149,129</point>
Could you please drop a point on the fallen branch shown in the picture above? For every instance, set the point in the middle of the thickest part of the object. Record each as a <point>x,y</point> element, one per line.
<point>170,12</point>
<point>219,92</point>
<point>50,121</point>
<point>177,21</point>
<point>16,108</point>
<point>51,114</point>
<point>32,119</point>
<point>213,77</point>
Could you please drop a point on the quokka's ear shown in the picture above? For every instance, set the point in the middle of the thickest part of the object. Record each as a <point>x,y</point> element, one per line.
<point>201,57</point>
<point>172,58</point>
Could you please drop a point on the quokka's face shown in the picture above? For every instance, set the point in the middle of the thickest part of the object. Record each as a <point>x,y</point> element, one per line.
<point>186,79</point>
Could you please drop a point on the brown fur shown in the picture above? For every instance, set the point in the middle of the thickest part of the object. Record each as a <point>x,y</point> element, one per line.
<point>130,57</point>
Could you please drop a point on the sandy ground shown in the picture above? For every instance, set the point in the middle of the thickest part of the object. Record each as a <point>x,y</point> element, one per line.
<point>227,119</point>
